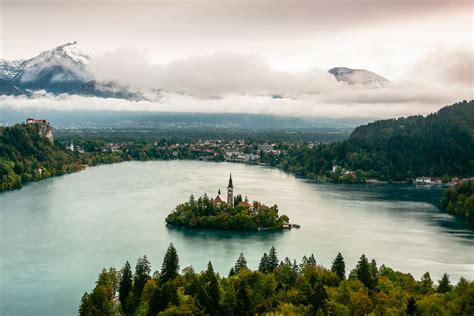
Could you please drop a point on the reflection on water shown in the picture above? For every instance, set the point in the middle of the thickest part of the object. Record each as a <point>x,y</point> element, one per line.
<point>57,234</point>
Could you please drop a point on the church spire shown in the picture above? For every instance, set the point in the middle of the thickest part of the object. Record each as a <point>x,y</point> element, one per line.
<point>230,182</point>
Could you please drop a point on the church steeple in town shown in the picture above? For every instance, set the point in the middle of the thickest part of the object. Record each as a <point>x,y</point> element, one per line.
<point>230,192</point>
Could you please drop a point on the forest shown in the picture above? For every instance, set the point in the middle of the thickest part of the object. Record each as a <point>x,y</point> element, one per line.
<point>26,156</point>
<point>440,144</point>
<point>276,288</point>
<point>205,213</point>
<point>459,199</point>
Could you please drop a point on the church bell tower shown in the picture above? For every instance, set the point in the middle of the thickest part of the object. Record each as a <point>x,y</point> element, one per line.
<point>230,193</point>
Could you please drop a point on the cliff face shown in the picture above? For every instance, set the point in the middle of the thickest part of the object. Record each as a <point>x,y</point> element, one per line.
<point>45,131</point>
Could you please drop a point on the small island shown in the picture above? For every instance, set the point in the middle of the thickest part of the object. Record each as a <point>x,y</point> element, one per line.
<point>234,214</point>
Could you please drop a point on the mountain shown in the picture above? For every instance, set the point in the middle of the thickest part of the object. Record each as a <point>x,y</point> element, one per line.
<point>440,144</point>
<point>359,77</point>
<point>62,69</point>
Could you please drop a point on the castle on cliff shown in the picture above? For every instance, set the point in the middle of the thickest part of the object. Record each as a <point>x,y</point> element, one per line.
<point>43,128</point>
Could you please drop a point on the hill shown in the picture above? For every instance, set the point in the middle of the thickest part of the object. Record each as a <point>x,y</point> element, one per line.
<point>26,154</point>
<point>440,144</point>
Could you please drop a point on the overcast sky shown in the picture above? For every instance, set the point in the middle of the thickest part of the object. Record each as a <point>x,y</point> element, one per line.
<point>397,39</point>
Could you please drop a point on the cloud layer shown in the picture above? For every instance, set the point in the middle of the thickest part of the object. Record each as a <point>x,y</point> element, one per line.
<point>244,83</point>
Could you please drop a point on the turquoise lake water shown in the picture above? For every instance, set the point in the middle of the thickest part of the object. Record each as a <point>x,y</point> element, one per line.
<point>57,234</point>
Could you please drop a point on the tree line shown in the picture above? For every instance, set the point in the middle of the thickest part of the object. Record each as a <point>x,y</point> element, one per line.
<point>440,144</point>
<point>278,287</point>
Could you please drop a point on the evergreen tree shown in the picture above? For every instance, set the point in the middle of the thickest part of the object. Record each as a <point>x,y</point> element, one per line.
<point>272,259</point>
<point>411,306</point>
<point>142,275</point>
<point>231,272</point>
<point>125,286</point>
<point>363,272</point>
<point>374,273</point>
<point>86,308</point>
<point>311,260</point>
<point>240,264</point>
<point>243,299</point>
<point>214,293</point>
<point>444,285</point>
<point>319,296</point>
<point>339,266</point>
<point>170,266</point>
<point>263,266</point>
<point>426,283</point>
<point>163,297</point>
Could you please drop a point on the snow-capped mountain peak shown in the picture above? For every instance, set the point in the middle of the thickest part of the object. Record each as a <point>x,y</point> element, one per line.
<point>359,77</point>
<point>69,51</point>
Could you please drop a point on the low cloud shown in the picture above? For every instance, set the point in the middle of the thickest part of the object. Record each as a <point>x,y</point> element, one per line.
<point>452,67</point>
<point>247,84</point>
<point>210,75</point>
<point>386,103</point>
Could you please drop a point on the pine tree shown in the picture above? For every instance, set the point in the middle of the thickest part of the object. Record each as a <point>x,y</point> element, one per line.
<point>263,266</point>
<point>231,272</point>
<point>272,259</point>
<point>240,264</point>
<point>243,299</point>
<point>125,286</point>
<point>444,285</point>
<point>212,290</point>
<point>411,306</point>
<point>85,308</point>
<point>170,266</point>
<point>163,297</point>
<point>426,283</point>
<point>142,275</point>
<point>339,266</point>
<point>363,272</point>
<point>319,296</point>
<point>374,272</point>
<point>311,260</point>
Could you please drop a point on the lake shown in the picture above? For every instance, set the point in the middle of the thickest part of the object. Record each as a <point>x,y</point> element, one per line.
<point>56,235</point>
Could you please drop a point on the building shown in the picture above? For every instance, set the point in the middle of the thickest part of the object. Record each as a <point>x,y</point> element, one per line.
<point>30,121</point>
<point>265,147</point>
<point>230,193</point>
<point>218,201</point>
<point>43,128</point>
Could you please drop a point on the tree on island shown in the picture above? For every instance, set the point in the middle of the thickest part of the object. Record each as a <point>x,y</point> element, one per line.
<point>170,266</point>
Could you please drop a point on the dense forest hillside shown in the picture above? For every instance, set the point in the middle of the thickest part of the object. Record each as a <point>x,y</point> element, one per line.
<point>459,199</point>
<point>277,288</point>
<point>397,149</point>
<point>26,155</point>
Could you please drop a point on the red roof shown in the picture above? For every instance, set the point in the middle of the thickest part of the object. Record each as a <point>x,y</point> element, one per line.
<point>245,204</point>
<point>218,199</point>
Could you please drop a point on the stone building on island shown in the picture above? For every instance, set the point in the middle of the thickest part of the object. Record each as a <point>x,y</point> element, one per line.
<point>218,201</point>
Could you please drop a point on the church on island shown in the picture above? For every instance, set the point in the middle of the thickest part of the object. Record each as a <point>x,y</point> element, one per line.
<point>233,213</point>
<point>218,201</point>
